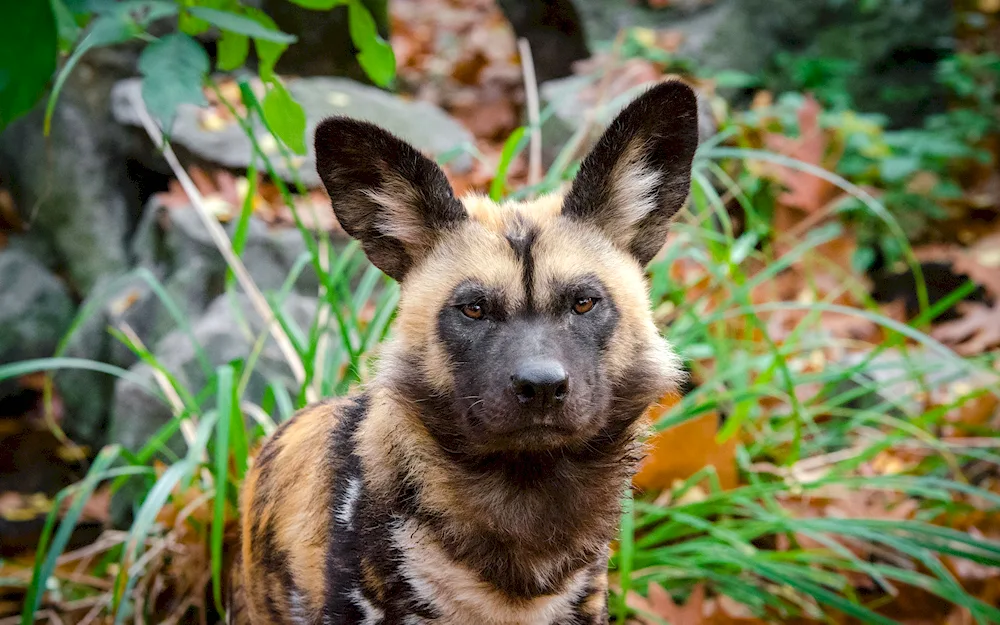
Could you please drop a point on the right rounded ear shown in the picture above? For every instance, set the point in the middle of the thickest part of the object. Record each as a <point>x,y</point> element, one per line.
<point>638,175</point>
<point>384,192</point>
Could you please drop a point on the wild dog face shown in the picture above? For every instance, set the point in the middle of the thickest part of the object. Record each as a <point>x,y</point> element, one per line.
<point>522,326</point>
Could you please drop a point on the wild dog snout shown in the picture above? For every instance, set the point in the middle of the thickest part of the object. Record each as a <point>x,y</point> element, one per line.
<point>540,384</point>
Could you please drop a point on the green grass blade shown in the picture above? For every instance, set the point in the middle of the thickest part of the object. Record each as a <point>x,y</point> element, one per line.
<point>47,554</point>
<point>511,148</point>
<point>224,405</point>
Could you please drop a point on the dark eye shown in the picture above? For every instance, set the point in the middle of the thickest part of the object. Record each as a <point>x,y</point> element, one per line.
<point>583,305</point>
<point>473,311</point>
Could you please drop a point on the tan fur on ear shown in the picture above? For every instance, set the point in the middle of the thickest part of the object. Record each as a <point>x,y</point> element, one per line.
<point>634,188</point>
<point>396,218</point>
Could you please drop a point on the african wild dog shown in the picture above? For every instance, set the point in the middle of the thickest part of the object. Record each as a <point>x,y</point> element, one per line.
<point>477,479</point>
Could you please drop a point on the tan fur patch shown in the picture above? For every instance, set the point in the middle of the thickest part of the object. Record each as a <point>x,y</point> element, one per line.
<point>460,597</point>
<point>399,219</point>
<point>299,517</point>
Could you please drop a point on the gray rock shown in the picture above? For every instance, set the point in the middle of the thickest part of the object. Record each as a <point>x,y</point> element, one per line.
<point>174,244</point>
<point>423,124</point>
<point>86,395</point>
<point>72,188</point>
<point>569,111</point>
<point>227,331</point>
<point>35,310</point>
<point>122,302</point>
<point>893,381</point>
<point>894,45</point>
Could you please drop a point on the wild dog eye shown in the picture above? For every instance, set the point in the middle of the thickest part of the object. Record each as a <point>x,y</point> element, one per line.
<point>473,311</point>
<point>583,305</point>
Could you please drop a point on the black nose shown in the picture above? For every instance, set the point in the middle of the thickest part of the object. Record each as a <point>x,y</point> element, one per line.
<point>540,383</point>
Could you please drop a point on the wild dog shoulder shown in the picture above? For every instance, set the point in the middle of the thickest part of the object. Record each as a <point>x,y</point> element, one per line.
<point>285,515</point>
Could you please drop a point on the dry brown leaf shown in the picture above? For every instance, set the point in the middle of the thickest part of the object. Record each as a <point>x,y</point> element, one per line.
<point>976,414</point>
<point>806,192</point>
<point>460,55</point>
<point>726,611</point>
<point>33,381</point>
<point>20,507</point>
<point>9,216</point>
<point>677,453</point>
<point>976,332</point>
<point>661,604</point>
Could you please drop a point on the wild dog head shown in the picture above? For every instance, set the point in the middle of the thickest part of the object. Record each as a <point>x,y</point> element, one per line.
<point>522,325</point>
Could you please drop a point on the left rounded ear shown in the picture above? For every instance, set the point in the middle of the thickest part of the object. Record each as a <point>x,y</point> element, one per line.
<point>384,192</point>
<point>639,173</point>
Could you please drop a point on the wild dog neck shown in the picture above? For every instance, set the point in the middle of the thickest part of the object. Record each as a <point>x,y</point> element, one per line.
<point>524,522</point>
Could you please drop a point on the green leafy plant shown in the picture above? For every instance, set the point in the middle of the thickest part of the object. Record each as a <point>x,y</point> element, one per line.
<point>175,67</point>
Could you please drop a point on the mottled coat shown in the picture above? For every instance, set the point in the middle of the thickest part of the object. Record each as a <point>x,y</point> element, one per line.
<point>478,477</point>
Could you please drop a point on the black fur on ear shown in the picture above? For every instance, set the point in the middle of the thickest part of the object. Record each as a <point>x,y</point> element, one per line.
<point>384,192</point>
<point>638,175</point>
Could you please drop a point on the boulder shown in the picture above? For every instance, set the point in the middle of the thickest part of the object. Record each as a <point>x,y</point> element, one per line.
<point>893,47</point>
<point>423,124</point>
<point>570,101</point>
<point>227,331</point>
<point>174,244</point>
<point>122,302</point>
<point>36,310</point>
<point>171,248</point>
<point>72,189</point>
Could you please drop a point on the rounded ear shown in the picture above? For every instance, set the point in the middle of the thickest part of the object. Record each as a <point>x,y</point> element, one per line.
<point>638,174</point>
<point>384,192</point>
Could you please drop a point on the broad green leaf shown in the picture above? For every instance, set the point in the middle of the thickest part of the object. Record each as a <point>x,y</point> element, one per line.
<point>66,26</point>
<point>84,7</point>
<point>268,52</point>
<point>116,23</point>
<point>141,12</point>
<point>285,117</point>
<point>379,63</point>
<point>174,69</point>
<point>374,53</point>
<point>27,55</point>
<point>318,5</point>
<point>237,23</point>
<point>232,50</point>
<point>188,23</point>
